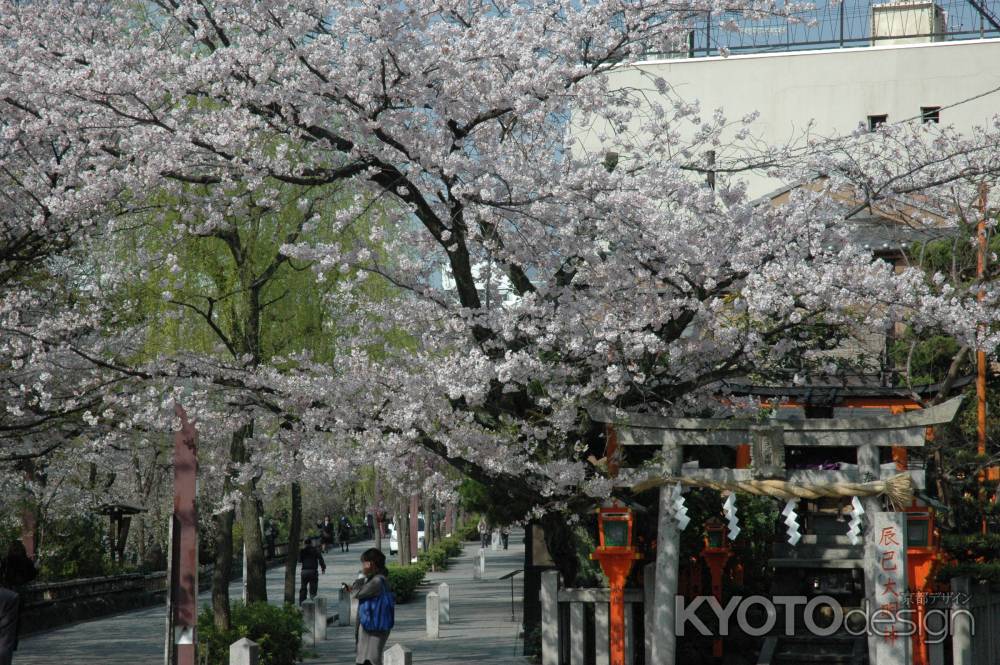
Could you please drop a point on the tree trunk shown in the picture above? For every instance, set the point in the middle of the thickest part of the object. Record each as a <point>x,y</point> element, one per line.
<point>943,489</point>
<point>561,542</point>
<point>376,508</point>
<point>141,535</point>
<point>531,603</point>
<point>253,540</point>
<point>403,532</point>
<point>414,505</point>
<point>294,538</point>
<point>428,522</point>
<point>223,571</point>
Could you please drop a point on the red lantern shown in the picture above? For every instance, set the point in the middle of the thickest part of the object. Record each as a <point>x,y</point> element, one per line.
<point>616,555</point>
<point>716,554</point>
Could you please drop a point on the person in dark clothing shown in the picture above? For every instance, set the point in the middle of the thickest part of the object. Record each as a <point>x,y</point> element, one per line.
<point>326,528</point>
<point>504,536</point>
<point>344,533</point>
<point>370,526</point>
<point>271,538</point>
<point>310,559</point>
<point>9,613</point>
<point>16,570</point>
<point>484,533</point>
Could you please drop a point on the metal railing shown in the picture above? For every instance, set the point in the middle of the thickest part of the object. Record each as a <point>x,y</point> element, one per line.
<point>828,25</point>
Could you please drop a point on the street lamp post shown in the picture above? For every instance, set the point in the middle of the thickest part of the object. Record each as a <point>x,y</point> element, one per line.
<point>616,556</point>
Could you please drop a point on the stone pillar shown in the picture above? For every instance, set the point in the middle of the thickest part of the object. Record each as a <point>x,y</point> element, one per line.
<point>444,594</point>
<point>935,651</point>
<point>320,630</point>
<point>244,652</point>
<point>550,617</point>
<point>397,654</point>
<point>354,611</point>
<point>344,608</point>
<point>479,572</point>
<point>663,640</point>
<point>576,635</point>
<point>890,551</point>
<point>961,624</point>
<point>433,615</point>
<point>648,588</point>
<point>602,634</point>
<point>869,470</point>
<point>309,619</point>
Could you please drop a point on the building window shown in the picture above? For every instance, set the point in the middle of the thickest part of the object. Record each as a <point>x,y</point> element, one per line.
<point>930,114</point>
<point>875,120</point>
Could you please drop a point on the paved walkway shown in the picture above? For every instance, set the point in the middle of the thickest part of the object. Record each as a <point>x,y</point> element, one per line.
<point>481,629</point>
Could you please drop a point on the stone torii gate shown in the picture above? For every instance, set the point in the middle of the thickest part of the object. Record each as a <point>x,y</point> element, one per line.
<point>767,442</point>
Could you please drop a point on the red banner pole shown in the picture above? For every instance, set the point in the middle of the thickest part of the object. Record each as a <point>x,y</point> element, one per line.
<point>184,582</point>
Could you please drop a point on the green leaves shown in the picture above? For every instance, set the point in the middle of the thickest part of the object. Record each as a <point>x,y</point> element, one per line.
<point>278,631</point>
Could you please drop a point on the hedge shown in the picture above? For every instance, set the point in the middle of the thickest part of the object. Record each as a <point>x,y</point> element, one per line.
<point>404,580</point>
<point>278,631</point>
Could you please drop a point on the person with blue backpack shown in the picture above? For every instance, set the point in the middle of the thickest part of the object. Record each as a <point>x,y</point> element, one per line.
<point>376,608</point>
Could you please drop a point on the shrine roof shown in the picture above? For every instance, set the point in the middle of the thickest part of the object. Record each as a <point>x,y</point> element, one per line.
<point>832,394</point>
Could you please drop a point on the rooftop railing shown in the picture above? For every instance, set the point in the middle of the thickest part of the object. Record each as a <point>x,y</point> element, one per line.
<point>831,25</point>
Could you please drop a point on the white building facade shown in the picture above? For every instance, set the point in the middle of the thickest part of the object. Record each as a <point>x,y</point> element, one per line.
<point>812,94</point>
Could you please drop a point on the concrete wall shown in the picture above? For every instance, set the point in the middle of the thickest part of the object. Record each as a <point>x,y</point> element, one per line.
<point>837,89</point>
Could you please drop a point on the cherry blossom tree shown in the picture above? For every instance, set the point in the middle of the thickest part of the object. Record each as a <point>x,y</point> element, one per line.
<point>580,276</point>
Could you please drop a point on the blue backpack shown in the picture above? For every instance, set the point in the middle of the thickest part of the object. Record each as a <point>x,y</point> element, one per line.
<point>378,614</point>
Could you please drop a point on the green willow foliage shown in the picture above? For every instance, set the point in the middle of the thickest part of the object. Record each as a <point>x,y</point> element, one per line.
<point>172,266</point>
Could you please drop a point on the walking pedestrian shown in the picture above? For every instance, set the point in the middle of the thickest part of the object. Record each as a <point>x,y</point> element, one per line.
<point>376,608</point>
<point>344,534</point>
<point>271,538</point>
<point>310,559</point>
<point>326,528</point>
<point>505,535</point>
<point>484,533</point>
